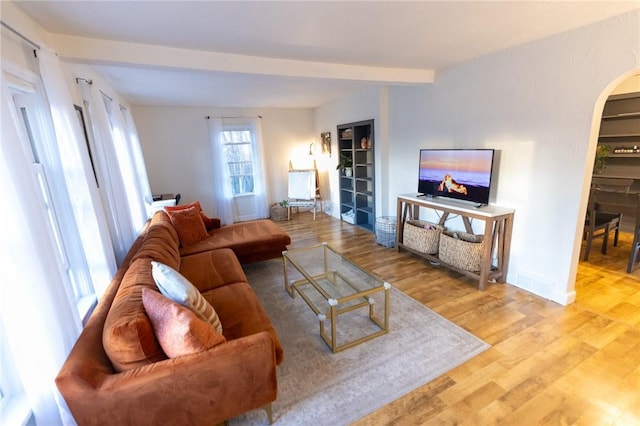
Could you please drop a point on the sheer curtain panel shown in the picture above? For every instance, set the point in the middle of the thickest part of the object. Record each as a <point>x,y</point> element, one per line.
<point>112,194</point>
<point>40,322</point>
<point>138,157</point>
<point>75,162</point>
<point>222,195</point>
<point>127,165</point>
<point>260,184</point>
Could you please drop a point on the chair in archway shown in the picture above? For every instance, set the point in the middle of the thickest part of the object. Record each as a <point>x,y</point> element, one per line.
<point>598,223</point>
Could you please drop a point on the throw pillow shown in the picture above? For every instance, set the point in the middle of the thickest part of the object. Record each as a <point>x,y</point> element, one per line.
<point>195,204</point>
<point>189,225</point>
<point>209,222</point>
<point>178,329</point>
<point>177,288</point>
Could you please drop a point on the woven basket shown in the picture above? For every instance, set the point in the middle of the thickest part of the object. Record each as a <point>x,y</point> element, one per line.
<point>462,250</point>
<point>418,237</point>
<point>279,212</point>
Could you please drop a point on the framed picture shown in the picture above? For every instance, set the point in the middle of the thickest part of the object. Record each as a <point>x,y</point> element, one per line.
<point>326,143</point>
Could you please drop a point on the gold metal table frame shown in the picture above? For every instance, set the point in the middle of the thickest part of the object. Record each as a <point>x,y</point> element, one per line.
<point>343,286</point>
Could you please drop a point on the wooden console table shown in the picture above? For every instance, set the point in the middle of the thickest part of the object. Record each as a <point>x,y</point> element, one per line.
<point>498,226</point>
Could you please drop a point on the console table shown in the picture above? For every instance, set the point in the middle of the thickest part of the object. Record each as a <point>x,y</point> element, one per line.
<point>498,226</point>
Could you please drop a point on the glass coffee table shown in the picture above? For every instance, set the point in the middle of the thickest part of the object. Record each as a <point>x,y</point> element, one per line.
<point>332,286</point>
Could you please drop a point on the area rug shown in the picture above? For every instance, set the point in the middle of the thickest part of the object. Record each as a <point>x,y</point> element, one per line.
<point>318,387</point>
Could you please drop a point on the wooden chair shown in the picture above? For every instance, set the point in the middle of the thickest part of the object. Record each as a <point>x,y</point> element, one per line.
<point>599,223</point>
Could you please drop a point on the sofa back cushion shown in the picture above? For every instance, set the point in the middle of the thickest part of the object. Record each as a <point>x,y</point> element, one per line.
<point>128,336</point>
<point>161,242</point>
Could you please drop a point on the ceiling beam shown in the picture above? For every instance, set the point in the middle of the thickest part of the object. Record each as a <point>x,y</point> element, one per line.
<point>109,52</point>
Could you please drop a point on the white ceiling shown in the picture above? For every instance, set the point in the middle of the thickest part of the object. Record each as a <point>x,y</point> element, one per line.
<point>291,53</point>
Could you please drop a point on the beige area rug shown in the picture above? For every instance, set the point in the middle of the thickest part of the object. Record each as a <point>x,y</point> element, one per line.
<point>317,387</point>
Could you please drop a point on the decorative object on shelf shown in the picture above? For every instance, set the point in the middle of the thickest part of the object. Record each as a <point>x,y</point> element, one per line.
<point>325,137</point>
<point>348,216</point>
<point>363,143</point>
<point>347,134</point>
<point>345,165</point>
<point>602,152</point>
<point>279,211</point>
<point>626,149</point>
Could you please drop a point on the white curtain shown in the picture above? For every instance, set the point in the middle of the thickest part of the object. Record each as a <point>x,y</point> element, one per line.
<point>124,152</point>
<point>138,157</point>
<point>77,170</point>
<point>40,322</point>
<point>114,199</point>
<point>222,195</point>
<point>259,180</point>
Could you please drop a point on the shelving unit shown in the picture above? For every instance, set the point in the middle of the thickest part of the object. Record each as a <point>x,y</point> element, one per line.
<point>357,192</point>
<point>620,131</point>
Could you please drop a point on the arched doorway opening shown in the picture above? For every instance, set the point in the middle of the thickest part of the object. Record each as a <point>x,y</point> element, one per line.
<point>620,131</point>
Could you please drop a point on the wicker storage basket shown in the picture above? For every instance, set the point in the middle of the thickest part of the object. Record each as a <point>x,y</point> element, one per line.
<point>462,250</point>
<point>422,236</point>
<point>279,212</point>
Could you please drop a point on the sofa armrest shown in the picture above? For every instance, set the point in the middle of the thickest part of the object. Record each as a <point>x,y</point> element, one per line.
<point>207,387</point>
<point>212,269</point>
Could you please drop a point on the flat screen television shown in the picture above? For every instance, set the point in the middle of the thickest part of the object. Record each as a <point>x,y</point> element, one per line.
<point>463,174</point>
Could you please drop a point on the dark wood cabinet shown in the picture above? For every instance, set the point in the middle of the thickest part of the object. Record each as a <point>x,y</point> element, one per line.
<point>357,186</point>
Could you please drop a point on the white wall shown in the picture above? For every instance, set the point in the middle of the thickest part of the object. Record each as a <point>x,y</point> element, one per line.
<point>536,104</point>
<point>178,154</point>
<point>366,105</point>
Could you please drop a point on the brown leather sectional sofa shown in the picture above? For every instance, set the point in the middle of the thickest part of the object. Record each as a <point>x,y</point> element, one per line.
<point>117,372</point>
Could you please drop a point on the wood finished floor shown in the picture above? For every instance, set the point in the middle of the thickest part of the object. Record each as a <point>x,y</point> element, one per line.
<point>548,364</point>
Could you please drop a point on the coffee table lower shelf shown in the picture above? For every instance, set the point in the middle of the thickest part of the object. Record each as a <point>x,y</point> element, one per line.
<point>335,311</point>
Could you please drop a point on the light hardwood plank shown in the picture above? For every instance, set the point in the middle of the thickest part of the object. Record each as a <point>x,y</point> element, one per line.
<point>548,364</point>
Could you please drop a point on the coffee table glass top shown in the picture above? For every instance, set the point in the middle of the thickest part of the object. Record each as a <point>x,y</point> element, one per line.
<point>332,285</point>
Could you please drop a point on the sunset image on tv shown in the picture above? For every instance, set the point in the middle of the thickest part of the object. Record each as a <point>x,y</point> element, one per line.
<point>456,173</point>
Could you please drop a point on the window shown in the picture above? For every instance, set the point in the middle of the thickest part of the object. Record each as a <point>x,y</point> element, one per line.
<point>238,154</point>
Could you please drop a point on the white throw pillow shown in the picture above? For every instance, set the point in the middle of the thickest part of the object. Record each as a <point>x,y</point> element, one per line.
<point>177,288</point>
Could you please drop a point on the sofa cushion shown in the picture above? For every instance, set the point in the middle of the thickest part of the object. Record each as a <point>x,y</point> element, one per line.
<point>177,288</point>
<point>178,329</point>
<point>209,222</point>
<point>251,241</point>
<point>128,337</point>
<point>212,269</point>
<point>242,314</point>
<point>161,242</point>
<point>189,225</point>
